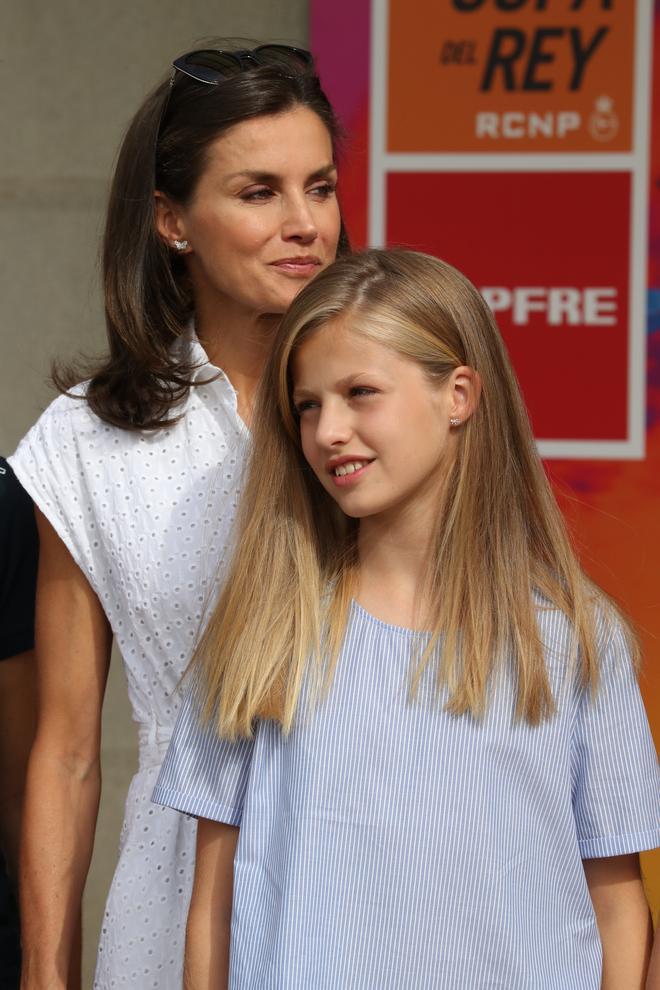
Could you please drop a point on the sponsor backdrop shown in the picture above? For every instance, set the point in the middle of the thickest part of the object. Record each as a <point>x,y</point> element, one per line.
<point>513,138</point>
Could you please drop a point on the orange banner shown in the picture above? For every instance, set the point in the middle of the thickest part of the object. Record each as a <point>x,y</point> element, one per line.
<point>510,75</point>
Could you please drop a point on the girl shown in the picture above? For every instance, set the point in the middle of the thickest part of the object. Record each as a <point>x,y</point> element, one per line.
<point>421,715</point>
<point>223,205</point>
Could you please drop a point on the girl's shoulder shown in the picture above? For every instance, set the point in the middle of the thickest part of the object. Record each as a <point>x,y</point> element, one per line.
<point>613,640</point>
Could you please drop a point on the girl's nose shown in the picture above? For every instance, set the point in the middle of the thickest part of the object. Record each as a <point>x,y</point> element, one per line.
<point>333,428</point>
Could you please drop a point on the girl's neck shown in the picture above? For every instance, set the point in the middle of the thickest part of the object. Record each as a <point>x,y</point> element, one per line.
<point>239,343</point>
<point>392,569</point>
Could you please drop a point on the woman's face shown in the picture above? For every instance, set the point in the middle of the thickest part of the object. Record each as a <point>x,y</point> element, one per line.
<point>373,427</point>
<point>264,217</point>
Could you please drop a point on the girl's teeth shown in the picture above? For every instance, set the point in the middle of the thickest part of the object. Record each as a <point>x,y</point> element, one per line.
<point>348,468</point>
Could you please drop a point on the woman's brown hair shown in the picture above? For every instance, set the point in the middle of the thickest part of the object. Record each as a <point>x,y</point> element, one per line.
<point>148,303</point>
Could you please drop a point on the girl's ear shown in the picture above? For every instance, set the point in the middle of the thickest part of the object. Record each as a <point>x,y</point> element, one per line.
<point>464,393</point>
<point>169,223</point>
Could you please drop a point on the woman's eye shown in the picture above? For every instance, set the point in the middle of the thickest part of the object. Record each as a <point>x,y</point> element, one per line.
<point>304,406</point>
<point>360,391</point>
<point>323,191</point>
<point>257,195</point>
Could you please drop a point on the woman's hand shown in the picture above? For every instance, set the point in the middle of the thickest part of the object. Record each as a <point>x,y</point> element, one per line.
<point>73,643</point>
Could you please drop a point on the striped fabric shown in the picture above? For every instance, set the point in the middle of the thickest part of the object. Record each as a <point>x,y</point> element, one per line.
<point>386,845</point>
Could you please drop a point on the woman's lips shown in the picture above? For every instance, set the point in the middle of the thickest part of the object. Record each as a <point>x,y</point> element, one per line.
<point>297,267</point>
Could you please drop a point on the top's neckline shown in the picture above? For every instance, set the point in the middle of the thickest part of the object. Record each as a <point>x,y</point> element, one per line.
<point>390,627</point>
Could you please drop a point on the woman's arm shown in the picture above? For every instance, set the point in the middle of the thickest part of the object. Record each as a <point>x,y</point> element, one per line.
<point>209,918</point>
<point>624,921</point>
<point>63,787</point>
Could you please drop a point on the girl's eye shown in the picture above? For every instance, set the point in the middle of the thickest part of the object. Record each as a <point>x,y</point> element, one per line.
<point>257,195</point>
<point>323,191</point>
<point>304,406</point>
<point>361,391</point>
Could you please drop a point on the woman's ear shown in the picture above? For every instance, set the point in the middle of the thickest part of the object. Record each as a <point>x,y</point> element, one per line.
<point>170,224</point>
<point>464,393</point>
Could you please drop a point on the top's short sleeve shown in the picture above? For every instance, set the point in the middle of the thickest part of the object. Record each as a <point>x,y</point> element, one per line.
<point>19,548</point>
<point>52,463</point>
<point>202,774</point>
<point>616,780</point>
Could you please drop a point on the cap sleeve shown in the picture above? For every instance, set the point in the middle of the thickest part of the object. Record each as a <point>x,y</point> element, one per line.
<point>18,574</point>
<point>202,774</point>
<point>50,464</point>
<point>616,780</point>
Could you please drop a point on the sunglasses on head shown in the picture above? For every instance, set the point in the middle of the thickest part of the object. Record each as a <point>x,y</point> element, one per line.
<point>212,65</point>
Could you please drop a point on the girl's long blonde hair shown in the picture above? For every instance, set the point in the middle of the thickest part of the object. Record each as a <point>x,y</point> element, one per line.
<point>500,544</point>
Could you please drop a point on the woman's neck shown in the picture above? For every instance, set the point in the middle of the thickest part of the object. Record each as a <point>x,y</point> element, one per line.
<point>239,343</point>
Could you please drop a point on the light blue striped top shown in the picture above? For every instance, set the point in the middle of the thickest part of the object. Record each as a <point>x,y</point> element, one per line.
<point>387,845</point>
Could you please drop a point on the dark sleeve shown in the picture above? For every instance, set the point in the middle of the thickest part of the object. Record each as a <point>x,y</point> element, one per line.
<point>19,548</point>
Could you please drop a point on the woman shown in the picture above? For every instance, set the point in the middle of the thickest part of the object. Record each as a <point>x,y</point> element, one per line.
<point>223,206</point>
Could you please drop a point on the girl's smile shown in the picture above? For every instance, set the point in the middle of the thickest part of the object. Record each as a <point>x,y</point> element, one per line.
<point>347,470</point>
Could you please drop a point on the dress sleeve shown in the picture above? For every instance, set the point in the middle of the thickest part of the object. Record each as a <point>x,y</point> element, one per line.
<point>616,780</point>
<point>202,774</point>
<point>50,463</point>
<point>19,548</point>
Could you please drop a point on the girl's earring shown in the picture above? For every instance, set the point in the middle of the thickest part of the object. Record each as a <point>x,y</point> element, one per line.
<point>181,245</point>
<point>454,421</point>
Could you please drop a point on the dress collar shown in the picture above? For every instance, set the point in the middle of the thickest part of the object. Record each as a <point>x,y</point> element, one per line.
<point>206,374</point>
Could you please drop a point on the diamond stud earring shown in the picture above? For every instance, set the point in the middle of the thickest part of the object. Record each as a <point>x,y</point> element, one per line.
<point>454,421</point>
<point>181,245</point>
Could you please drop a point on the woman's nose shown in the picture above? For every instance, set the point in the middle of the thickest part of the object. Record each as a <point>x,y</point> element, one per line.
<point>298,222</point>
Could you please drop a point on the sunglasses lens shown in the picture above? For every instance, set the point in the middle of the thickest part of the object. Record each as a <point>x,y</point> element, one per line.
<point>208,66</point>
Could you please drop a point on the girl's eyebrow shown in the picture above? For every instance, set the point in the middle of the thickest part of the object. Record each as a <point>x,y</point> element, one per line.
<point>356,376</point>
<point>269,177</point>
<point>301,393</point>
<point>340,384</point>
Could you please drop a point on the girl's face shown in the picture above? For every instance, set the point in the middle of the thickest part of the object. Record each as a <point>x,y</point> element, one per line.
<point>264,217</point>
<point>373,427</point>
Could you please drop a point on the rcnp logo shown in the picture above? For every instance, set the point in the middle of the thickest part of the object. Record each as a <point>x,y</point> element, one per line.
<point>602,123</point>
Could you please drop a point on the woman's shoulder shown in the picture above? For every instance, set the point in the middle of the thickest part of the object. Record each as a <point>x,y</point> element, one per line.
<point>66,407</point>
<point>66,435</point>
<point>69,418</point>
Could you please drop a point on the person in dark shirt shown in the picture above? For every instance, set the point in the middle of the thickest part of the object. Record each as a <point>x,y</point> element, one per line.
<point>18,575</point>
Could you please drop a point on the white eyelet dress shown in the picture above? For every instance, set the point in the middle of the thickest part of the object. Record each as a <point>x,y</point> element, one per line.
<point>148,518</point>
